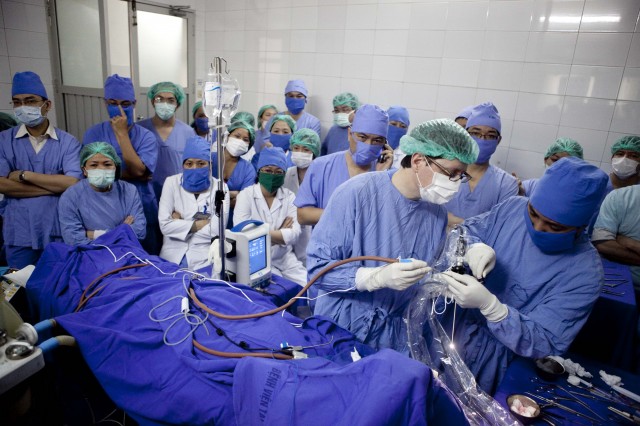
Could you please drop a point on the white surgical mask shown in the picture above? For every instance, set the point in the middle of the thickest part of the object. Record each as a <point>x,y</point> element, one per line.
<point>101,178</point>
<point>164,110</point>
<point>441,189</point>
<point>624,167</point>
<point>237,147</point>
<point>301,159</point>
<point>341,119</point>
<point>30,116</point>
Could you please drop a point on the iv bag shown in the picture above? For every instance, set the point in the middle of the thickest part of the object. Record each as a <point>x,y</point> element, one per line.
<point>221,95</point>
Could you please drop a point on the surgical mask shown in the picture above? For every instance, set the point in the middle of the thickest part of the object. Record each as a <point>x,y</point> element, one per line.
<point>270,181</point>
<point>237,147</point>
<point>624,167</point>
<point>196,180</point>
<point>487,148</point>
<point>164,110</point>
<point>202,124</point>
<point>114,111</point>
<point>549,242</point>
<point>365,154</point>
<point>441,190</point>
<point>295,105</point>
<point>101,178</point>
<point>341,119</point>
<point>30,116</point>
<point>301,159</point>
<point>394,134</point>
<point>280,141</point>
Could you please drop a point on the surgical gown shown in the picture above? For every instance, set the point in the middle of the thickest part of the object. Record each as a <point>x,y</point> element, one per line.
<point>494,187</point>
<point>337,139</point>
<point>83,209</point>
<point>369,216</point>
<point>549,296</point>
<point>308,121</point>
<point>323,176</point>
<point>169,151</point>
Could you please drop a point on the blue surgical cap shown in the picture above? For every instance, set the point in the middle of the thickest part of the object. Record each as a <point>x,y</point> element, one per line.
<point>570,191</point>
<point>196,147</point>
<point>371,119</point>
<point>273,156</point>
<point>120,88</point>
<point>399,113</point>
<point>485,114</point>
<point>28,83</point>
<point>465,113</point>
<point>296,86</point>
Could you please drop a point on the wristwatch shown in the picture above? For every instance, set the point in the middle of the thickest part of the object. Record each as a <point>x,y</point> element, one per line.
<point>21,177</point>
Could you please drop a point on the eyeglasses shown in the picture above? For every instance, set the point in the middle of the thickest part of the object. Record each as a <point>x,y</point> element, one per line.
<point>484,136</point>
<point>26,102</point>
<point>375,140</point>
<point>463,177</point>
<point>170,101</point>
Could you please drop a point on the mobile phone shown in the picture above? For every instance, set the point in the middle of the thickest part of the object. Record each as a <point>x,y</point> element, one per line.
<point>383,157</point>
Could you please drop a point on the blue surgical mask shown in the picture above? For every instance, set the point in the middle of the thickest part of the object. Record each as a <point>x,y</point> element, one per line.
<point>549,242</point>
<point>394,134</point>
<point>164,110</point>
<point>30,116</point>
<point>487,148</point>
<point>366,154</point>
<point>101,178</point>
<point>114,111</point>
<point>196,180</point>
<point>280,141</point>
<point>202,124</point>
<point>295,105</point>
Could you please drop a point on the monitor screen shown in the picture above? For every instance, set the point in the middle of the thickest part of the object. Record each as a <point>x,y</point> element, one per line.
<point>257,254</point>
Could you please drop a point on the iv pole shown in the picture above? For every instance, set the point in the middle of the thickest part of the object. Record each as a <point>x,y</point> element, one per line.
<point>217,67</point>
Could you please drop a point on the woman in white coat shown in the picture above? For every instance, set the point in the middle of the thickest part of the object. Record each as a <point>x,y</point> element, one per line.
<point>268,202</point>
<point>305,147</point>
<point>186,207</point>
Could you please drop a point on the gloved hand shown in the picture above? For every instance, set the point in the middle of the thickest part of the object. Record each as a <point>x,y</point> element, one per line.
<point>396,276</point>
<point>481,259</point>
<point>470,293</point>
<point>214,254</point>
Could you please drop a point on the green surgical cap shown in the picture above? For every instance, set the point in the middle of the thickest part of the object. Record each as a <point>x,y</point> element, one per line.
<point>631,143</point>
<point>307,138</point>
<point>262,110</point>
<point>239,124</point>
<point>567,145</point>
<point>166,86</point>
<point>441,138</point>
<point>346,98</point>
<point>286,119</point>
<point>94,148</point>
<point>245,116</point>
<point>195,108</point>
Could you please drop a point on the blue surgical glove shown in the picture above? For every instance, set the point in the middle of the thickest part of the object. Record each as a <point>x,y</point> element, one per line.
<point>468,292</point>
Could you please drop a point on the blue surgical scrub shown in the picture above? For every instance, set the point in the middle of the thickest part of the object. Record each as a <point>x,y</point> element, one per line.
<point>337,139</point>
<point>323,176</point>
<point>368,216</point>
<point>146,146</point>
<point>83,209</point>
<point>549,296</point>
<point>494,187</point>
<point>32,223</point>
<point>262,135</point>
<point>243,175</point>
<point>169,151</point>
<point>308,121</point>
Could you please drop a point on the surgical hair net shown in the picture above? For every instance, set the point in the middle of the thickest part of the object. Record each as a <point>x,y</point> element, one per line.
<point>441,138</point>
<point>196,147</point>
<point>167,86</point>
<point>399,113</point>
<point>282,117</point>
<point>195,109</point>
<point>307,138</point>
<point>485,114</point>
<point>346,98</point>
<point>296,86</point>
<point>273,156</point>
<point>242,125</point>
<point>261,111</point>
<point>371,119</point>
<point>120,88</point>
<point>28,83</point>
<point>567,145</point>
<point>631,143</point>
<point>570,191</point>
<point>245,116</point>
<point>103,148</point>
<point>465,113</point>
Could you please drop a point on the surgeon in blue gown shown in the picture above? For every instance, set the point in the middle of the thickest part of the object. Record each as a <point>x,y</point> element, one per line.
<point>337,139</point>
<point>546,278</point>
<point>295,98</point>
<point>367,144</point>
<point>262,133</point>
<point>37,163</point>
<point>281,128</point>
<point>136,147</point>
<point>489,185</point>
<point>100,202</point>
<point>171,134</point>
<point>396,213</point>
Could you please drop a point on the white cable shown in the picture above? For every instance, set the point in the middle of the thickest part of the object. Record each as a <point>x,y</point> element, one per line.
<point>325,294</point>
<point>187,316</point>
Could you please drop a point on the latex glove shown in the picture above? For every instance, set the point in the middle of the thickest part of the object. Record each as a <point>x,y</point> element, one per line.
<point>471,293</point>
<point>396,276</point>
<point>481,259</point>
<point>214,255</point>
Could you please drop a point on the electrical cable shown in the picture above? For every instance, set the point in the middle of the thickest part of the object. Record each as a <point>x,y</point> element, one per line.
<point>84,298</point>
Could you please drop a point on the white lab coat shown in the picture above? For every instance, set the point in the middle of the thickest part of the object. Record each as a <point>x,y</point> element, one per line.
<point>250,204</point>
<point>177,241</point>
<point>300,247</point>
<point>398,155</point>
